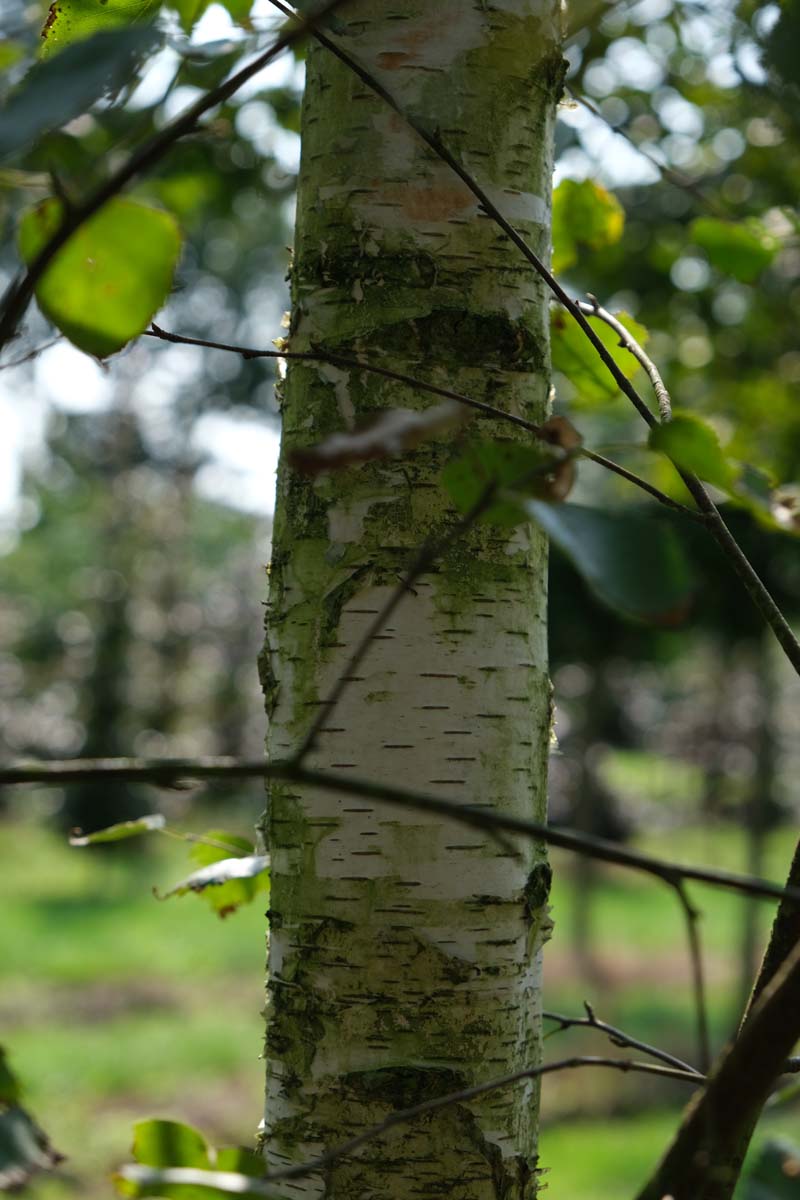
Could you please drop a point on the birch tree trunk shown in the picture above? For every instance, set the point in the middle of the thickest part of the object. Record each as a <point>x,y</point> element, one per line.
<point>404,956</point>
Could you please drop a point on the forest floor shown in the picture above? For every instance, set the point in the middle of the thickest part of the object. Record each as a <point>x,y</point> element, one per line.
<point>115,1007</point>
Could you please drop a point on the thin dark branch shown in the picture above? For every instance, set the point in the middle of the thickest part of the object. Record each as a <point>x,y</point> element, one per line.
<point>645,486</point>
<point>593,308</point>
<point>618,1037</point>
<point>352,364</point>
<point>692,917</point>
<point>719,530</point>
<point>464,1095</point>
<point>676,178</point>
<point>359,364</point>
<point>168,772</point>
<point>20,291</point>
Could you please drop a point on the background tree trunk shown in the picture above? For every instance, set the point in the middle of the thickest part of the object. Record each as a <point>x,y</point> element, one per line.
<point>405,953</point>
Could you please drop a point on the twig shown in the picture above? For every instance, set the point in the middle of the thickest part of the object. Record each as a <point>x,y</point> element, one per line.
<point>618,1037</point>
<point>594,309</point>
<point>692,917</point>
<point>359,364</point>
<point>464,1095</point>
<point>353,364</point>
<point>645,486</point>
<point>165,773</point>
<point>20,291</point>
<point>676,178</point>
<point>719,530</point>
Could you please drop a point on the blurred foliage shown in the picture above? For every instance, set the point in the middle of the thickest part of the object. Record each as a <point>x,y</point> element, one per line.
<point>131,603</point>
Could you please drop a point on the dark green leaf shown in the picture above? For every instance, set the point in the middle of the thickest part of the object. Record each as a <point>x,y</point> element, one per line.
<point>24,1149</point>
<point>741,249</point>
<point>111,277</point>
<point>584,213</point>
<point>575,356</point>
<point>775,1174</point>
<point>227,883</point>
<point>10,1089</point>
<point>693,445</point>
<point>118,833</point>
<point>73,20</point>
<point>78,77</point>
<point>634,562</point>
<point>510,465</point>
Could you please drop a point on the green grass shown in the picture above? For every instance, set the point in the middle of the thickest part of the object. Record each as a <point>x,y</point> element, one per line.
<point>117,1007</point>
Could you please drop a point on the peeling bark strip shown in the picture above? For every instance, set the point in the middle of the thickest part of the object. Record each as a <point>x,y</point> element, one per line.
<point>405,961</point>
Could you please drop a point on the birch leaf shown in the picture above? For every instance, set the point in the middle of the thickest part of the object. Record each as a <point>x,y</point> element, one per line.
<point>78,77</point>
<point>576,358</point>
<point>229,882</point>
<point>584,214</point>
<point>633,562</point>
<point>119,833</point>
<point>71,21</point>
<point>110,278</point>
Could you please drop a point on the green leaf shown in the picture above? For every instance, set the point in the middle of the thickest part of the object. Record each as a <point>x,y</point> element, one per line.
<point>73,20</point>
<point>575,356</point>
<point>10,1090</point>
<point>24,1149</point>
<point>240,1159</point>
<point>112,276</point>
<point>118,833</point>
<point>78,77</point>
<point>775,1174</point>
<point>10,53</point>
<point>189,12</point>
<point>228,883</point>
<point>506,463</point>
<point>584,213</point>
<point>693,445</point>
<point>741,249</point>
<point>169,1144</point>
<point>188,1183</point>
<point>225,846</point>
<point>632,561</point>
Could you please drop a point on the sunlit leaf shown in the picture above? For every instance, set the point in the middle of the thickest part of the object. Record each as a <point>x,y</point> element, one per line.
<point>228,883</point>
<point>111,277</point>
<point>120,832</point>
<point>73,20</point>
<point>693,445</point>
<point>175,1161</point>
<point>775,1174</point>
<point>632,561</point>
<point>584,214</point>
<point>188,1183</point>
<point>741,249</point>
<point>576,358</point>
<point>78,77</point>
<point>169,1144</point>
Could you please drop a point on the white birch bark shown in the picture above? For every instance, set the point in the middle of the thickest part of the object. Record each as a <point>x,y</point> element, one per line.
<point>405,952</point>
